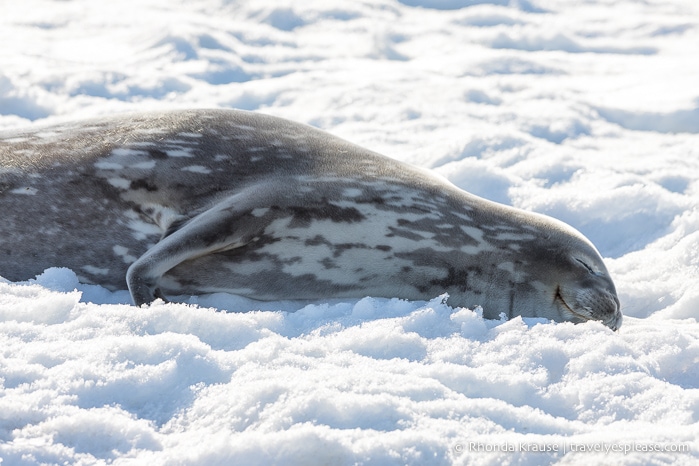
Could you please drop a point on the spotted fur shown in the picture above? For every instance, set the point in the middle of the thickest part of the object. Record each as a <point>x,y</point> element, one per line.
<point>191,202</point>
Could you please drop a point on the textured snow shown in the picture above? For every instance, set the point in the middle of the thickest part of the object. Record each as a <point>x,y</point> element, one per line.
<point>585,111</point>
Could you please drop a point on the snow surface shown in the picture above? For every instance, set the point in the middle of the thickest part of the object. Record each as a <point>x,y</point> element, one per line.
<point>584,110</point>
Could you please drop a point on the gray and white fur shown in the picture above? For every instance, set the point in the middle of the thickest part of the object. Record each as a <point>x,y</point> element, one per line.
<point>201,201</point>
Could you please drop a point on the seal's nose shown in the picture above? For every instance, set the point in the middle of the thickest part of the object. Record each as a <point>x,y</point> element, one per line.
<point>614,321</point>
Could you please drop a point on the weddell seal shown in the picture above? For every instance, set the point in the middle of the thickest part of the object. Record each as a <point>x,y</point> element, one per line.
<point>201,201</point>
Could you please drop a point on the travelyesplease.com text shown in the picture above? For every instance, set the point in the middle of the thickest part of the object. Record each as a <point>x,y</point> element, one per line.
<point>566,447</point>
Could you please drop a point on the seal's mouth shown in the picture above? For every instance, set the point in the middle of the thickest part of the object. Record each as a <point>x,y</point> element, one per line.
<point>559,297</point>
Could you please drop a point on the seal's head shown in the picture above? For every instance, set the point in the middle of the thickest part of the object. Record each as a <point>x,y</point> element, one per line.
<point>576,282</point>
<point>586,292</point>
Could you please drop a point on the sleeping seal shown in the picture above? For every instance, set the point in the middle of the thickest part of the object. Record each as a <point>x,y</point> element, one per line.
<point>190,202</point>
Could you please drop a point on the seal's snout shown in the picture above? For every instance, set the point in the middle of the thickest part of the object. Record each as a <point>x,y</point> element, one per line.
<point>591,304</point>
<point>616,317</point>
<point>603,305</point>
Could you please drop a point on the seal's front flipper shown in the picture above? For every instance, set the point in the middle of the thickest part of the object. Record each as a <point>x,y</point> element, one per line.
<point>230,224</point>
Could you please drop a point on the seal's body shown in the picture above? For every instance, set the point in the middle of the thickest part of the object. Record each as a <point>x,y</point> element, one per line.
<point>191,202</point>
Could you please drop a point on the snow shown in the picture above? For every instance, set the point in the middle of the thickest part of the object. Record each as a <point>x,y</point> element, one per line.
<point>586,111</point>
